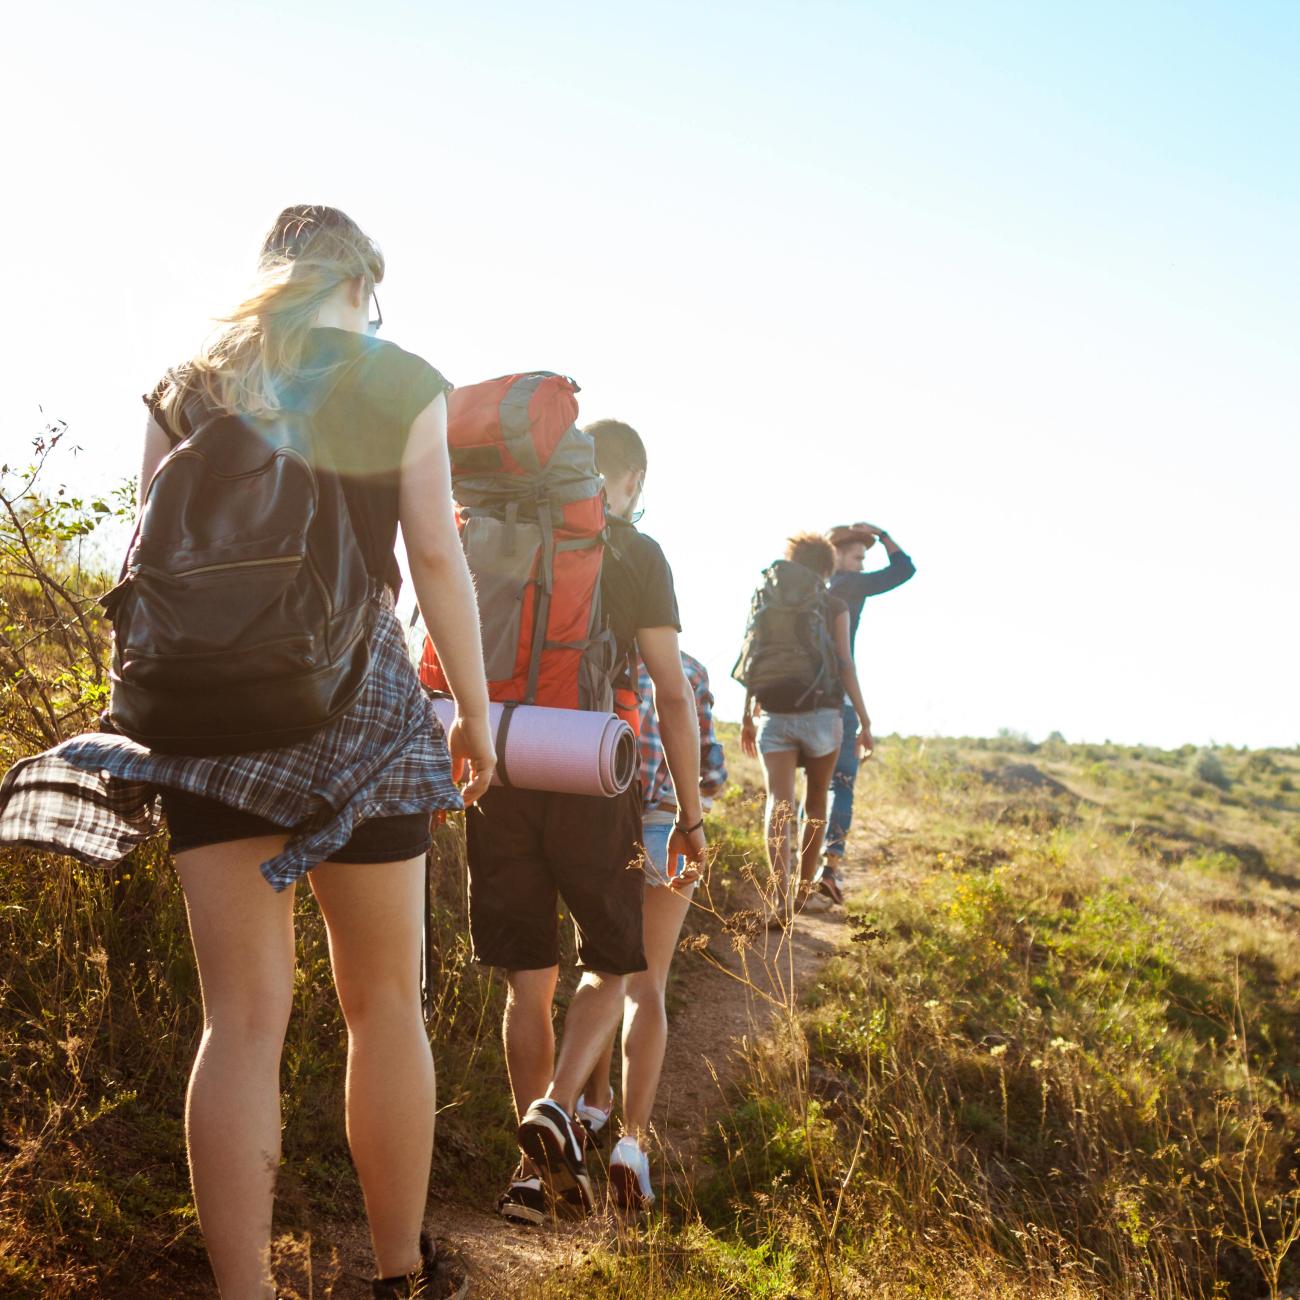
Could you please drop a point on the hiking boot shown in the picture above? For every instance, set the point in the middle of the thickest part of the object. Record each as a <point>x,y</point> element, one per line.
<point>629,1178</point>
<point>547,1138</point>
<point>593,1119</point>
<point>525,1200</point>
<point>440,1276</point>
<point>829,881</point>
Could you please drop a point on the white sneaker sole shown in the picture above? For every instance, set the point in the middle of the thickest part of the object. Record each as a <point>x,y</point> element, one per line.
<point>514,1213</point>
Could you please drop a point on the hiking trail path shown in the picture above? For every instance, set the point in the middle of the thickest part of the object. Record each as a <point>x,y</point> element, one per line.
<point>711,1017</point>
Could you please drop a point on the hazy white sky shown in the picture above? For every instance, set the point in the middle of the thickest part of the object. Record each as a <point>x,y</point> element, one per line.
<point>1018,281</point>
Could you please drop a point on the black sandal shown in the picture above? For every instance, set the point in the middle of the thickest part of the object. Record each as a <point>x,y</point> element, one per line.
<point>439,1277</point>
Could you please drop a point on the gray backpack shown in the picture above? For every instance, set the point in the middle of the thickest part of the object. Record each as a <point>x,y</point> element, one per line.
<point>788,661</point>
<point>532,513</point>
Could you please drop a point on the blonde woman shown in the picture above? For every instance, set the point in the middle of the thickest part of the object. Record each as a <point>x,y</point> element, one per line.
<point>349,807</point>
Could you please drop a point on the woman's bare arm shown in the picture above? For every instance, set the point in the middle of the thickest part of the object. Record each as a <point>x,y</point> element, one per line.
<point>156,445</point>
<point>444,588</point>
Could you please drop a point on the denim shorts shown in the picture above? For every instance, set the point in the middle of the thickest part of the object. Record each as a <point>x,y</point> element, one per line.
<point>655,834</point>
<point>814,734</point>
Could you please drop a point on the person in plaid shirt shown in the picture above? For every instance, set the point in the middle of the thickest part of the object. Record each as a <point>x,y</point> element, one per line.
<point>656,784</point>
<point>645,1020</point>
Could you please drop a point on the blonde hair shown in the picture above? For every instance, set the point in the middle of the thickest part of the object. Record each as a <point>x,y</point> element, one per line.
<point>260,345</point>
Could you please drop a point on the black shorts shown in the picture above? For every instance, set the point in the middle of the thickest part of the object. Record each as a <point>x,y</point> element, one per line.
<point>196,821</point>
<point>527,846</point>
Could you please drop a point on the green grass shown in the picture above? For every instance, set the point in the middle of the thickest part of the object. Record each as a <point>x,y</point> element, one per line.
<point>1059,1057</point>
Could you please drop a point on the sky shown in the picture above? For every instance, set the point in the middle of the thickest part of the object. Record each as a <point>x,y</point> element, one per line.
<point>1019,282</point>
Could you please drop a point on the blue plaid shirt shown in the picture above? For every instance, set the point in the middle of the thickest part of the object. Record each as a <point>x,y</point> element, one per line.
<point>656,784</point>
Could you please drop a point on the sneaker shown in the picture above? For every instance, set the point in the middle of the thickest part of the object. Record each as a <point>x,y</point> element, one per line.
<point>441,1276</point>
<point>547,1138</point>
<point>592,1118</point>
<point>830,878</point>
<point>525,1200</point>
<point>629,1177</point>
<point>814,900</point>
<point>830,883</point>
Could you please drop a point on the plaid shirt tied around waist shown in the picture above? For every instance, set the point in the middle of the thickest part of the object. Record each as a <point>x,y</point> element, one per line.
<point>95,797</point>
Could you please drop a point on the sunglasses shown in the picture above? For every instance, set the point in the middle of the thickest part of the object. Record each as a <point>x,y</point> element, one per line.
<point>372,326</point>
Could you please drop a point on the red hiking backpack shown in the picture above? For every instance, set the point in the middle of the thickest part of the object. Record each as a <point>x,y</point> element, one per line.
<point>532,521</point>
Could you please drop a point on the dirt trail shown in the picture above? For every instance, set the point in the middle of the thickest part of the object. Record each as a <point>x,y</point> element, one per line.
<point>712,1015</point>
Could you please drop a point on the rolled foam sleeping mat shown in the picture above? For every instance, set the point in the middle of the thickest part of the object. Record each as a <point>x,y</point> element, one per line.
<point>570,751</point>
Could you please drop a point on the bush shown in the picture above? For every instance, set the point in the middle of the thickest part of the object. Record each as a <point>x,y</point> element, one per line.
<point>1015,742</point>
<point>1205,765</point>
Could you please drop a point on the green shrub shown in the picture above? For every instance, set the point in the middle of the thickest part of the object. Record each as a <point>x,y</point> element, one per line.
<point>763,1149</point>
<point>1205,765</point>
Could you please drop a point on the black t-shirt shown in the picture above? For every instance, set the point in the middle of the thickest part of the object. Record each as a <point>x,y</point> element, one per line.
<point>636,585</point>
<point>364,423</point>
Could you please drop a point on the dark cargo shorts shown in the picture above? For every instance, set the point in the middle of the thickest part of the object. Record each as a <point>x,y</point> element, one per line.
<point>526,847</point>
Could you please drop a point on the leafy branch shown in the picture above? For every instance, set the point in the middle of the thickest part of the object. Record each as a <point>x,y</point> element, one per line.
<point>54,642</point>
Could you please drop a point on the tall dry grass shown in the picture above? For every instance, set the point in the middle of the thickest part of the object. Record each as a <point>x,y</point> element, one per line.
<point>1058,1055</point>
<point>1052,1060</point>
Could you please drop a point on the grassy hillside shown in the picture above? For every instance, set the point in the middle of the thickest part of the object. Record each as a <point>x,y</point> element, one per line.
<point>1059,1054</point>
<point>1054,1050</point>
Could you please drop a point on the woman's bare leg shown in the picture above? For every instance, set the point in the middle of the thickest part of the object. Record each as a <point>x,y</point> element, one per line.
<point>782,815</point>
<point>372,913</point>
<point>597,1090</point>
<point>645,1021</point>
<point>815,800</point>
<point>242,931</point>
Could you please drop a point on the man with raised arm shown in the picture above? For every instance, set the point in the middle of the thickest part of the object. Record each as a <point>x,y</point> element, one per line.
<point>853,587</point>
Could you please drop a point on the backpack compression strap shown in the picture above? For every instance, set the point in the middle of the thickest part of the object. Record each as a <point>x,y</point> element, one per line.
<point>503,730</point>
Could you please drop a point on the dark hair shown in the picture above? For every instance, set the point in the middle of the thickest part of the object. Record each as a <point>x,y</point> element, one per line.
<point>813,551</point>
<point>619,449</point>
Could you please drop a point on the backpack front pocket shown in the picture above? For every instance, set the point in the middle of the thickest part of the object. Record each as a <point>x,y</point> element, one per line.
<point>503,558</point>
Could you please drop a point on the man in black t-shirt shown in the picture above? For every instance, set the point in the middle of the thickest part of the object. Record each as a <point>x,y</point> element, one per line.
<point>532,844</point>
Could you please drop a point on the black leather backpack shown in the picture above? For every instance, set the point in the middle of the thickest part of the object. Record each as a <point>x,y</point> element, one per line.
<point>242,619</point>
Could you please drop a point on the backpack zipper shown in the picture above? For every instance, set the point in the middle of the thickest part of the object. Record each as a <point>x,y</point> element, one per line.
<point>237,564</point>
